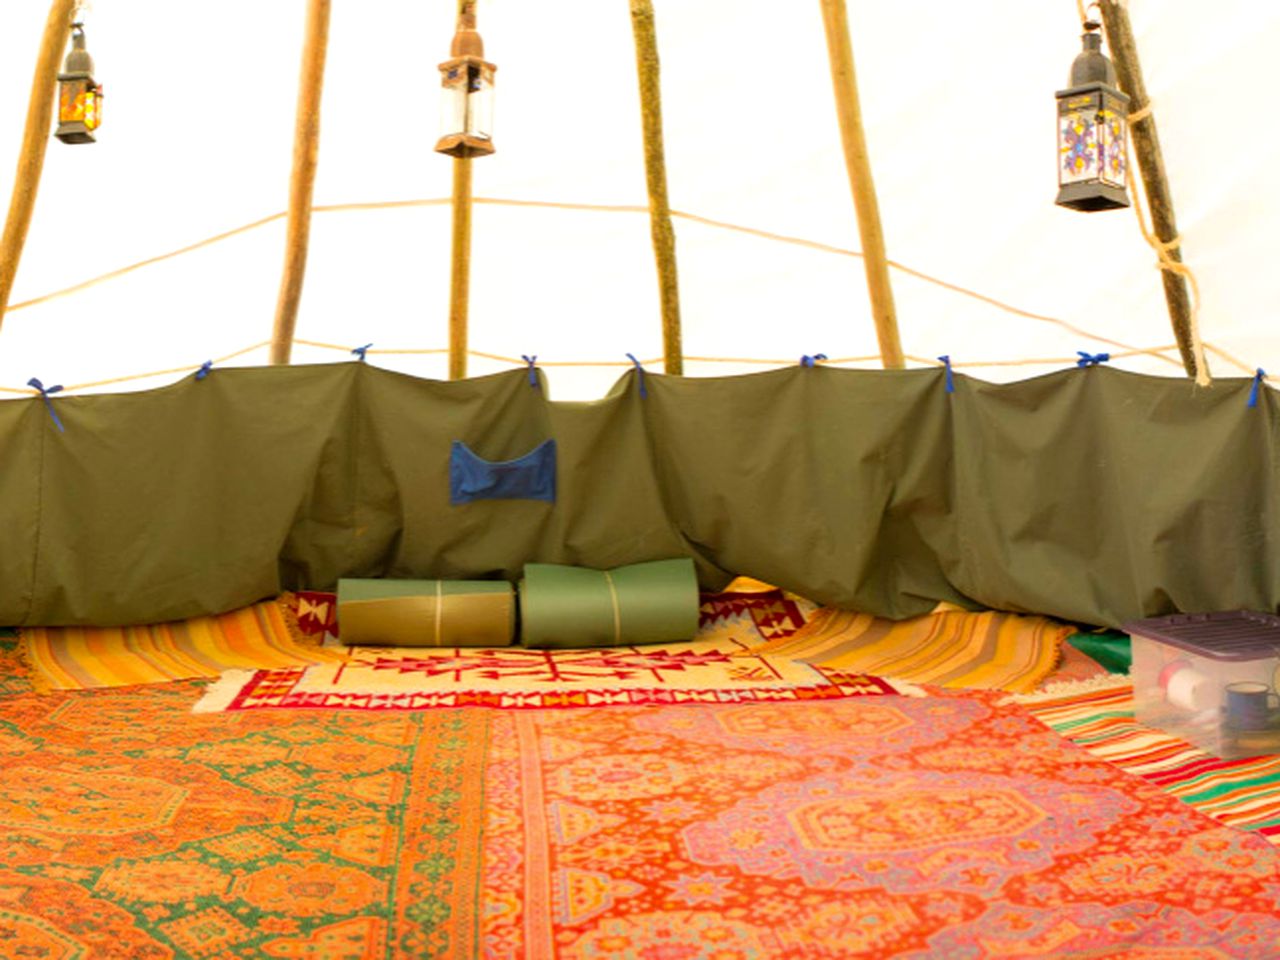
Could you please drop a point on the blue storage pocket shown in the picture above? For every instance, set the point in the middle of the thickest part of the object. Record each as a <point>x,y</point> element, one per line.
<point>531,477</point>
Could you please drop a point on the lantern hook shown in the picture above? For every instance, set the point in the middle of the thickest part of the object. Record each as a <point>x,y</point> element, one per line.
<point>1093,21</point>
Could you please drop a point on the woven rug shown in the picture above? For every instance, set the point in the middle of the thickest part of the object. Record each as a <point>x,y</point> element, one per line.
<point>874,827</point>
<point>1098,715</point>
<point>720,666</point>
<point>133,830</point>
<point>514,678</point>
<point>80,658</point>
<point>987,651</point>
<point>864,827</point>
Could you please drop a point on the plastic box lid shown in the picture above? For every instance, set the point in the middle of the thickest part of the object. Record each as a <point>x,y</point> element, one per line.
<point>1223,635</point>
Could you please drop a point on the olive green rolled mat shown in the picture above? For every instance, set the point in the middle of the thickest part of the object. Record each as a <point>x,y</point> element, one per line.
<point>654,602</point>
<point>426,613</point>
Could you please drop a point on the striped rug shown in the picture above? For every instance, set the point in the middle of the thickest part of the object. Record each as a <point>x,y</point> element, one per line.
<point>1098,715</point>
<point>81,658</point>
<point>986,651</point>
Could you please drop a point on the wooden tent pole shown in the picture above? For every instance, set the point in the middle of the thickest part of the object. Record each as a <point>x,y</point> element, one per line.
<point>655,167</point>
<point>460,283</point>
<point>460,256</point>
<point>35,137</point>
<point>306,149</point>
<point>840,52</point>
<point>1146,145</point>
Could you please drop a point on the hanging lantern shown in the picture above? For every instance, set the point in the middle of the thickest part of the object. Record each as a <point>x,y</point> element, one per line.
<point>1092,126</point>
<point>79,98</point>
<point>466,116</point>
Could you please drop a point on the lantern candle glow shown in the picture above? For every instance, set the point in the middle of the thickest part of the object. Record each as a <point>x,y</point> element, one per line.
<point>79,97</point>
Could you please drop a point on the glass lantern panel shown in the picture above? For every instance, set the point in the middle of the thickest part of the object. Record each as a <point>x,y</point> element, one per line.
<point>1112,125</point>
<point>453,101</point>
<point>1077,139</point>
<point>92,109</point>
<point>72,101</point>
<point>479,116</point>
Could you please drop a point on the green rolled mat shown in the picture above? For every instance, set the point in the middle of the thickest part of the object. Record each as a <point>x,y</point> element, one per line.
<point>426,613</point>
<point>653,602</point>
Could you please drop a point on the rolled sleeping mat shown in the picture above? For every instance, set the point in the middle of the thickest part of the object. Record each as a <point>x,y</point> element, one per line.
<point>426,613</point>
<point>654,602</point>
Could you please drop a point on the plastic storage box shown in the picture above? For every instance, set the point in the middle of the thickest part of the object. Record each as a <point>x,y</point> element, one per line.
<point>1211,679</point>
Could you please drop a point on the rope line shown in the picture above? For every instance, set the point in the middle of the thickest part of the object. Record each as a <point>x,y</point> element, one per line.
<point>599,208</point>
<point>1139,115</point>
<point>653,361</point>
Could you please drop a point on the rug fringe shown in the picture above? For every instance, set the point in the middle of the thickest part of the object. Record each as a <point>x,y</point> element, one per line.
<point>221,692</point>
<point>1068,688</point>
<point>906,688</point>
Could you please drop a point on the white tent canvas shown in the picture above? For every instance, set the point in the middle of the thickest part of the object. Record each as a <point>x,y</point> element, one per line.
<point>959,113</point>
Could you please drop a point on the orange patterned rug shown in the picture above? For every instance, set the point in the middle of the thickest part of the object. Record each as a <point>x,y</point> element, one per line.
<point>950,826</point>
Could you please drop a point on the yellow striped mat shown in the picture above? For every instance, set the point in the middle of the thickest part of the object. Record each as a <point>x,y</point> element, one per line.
<point>81,658</point>
<point>987,651</point>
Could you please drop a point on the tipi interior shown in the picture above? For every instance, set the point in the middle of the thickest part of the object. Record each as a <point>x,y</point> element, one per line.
<point>724,509</point>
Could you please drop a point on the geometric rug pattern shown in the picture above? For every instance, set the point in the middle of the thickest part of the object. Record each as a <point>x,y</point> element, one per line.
<point>1099,716</point>
<point>940,826</point>
<point>722,665</point>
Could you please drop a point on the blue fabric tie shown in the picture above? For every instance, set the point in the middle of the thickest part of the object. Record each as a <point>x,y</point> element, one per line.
<point>533,373</point>
<point>361,351</point>
<point>204,369</point>
<point>640,371</point>
<point>1091,359</point>
<point>946,362</point>
<point>1257,386</point>
<point>808,361</point>
<point>45,392</point>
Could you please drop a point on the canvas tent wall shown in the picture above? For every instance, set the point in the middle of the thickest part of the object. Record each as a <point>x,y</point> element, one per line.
<point>197,147</point>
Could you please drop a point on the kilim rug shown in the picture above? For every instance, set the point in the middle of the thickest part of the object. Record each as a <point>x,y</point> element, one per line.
<point>720,666</point>
<point>79,658</point>
<point>987,650</point>
<point>1098,716</point>
<point>867,827</point>
<point>713,671</point>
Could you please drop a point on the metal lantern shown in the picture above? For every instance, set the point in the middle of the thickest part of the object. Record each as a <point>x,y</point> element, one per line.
<point>1092,126</point>
<point>467,105</point>
<point>79,98</point>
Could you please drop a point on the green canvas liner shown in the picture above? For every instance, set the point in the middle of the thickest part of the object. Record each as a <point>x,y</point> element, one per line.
<point>1093,495</point>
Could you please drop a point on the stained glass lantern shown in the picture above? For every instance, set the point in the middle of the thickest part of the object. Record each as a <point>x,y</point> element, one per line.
<point>1092,126</point>
<point>79,98</point>
<point>466,116</point>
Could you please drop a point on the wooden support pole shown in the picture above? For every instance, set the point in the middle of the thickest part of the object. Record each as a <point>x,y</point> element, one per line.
<point>655,168</point>
<point>35,137</point>
<point>460,284</point>
<point>840,52</point>
<point>1146,146</point>
<point>306,149</point>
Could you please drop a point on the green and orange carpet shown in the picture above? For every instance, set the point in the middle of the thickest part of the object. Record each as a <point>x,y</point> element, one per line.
<point>955,824</point>
<point>871,826</point>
